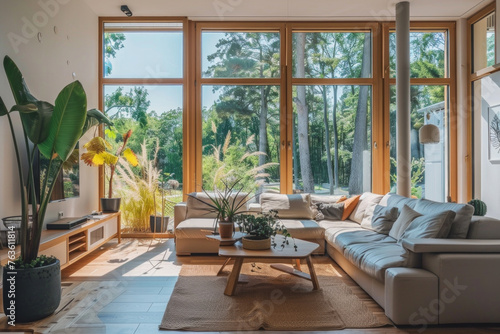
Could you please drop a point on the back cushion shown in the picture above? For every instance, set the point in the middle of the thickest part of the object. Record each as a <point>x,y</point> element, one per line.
<point>436,225</point>
<point>459,225</point>
<point>404,220</point>
<point>330,199</point>
<point>197,209</point>
<point>394,200</point>
<point>296,206</point>
<point>382,220</point>
<point>363,212</point>
<point>484,228</point>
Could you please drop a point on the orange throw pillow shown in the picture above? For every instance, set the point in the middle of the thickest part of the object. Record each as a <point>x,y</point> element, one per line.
<point>349,206</point>
<point>341,199</point>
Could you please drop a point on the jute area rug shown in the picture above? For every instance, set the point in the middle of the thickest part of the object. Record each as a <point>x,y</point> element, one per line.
<point>267,299</point>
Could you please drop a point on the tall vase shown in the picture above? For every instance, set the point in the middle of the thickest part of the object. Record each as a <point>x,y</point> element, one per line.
<point>226,229</point>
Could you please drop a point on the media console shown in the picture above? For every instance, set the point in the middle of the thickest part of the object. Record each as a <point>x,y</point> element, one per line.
<point>71,245</point>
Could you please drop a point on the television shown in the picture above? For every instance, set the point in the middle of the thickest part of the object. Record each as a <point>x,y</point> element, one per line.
<point>67,184</point>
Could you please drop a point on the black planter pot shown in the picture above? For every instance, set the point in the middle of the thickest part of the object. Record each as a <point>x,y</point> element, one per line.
<point>110,204</point>
<point>158,227</point>
<point>31,294</point>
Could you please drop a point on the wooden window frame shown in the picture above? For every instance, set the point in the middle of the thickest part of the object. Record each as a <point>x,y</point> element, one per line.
<point>471,78</point>
<point>449,81</point>
<point>186,121</point>
<point>380,82</point>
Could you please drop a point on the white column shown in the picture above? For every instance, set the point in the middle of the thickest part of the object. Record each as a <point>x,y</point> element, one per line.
<point>403,98</point>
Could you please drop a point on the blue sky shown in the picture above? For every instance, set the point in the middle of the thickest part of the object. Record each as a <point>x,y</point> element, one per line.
<point>159,55</point>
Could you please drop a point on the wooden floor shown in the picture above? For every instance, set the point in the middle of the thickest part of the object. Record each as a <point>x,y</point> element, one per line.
<point>124,288</point>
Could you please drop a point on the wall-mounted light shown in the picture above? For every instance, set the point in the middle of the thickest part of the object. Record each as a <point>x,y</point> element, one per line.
<point>126,10</point>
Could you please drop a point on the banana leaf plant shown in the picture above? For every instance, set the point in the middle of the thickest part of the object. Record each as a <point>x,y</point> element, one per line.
<point>54,131</point>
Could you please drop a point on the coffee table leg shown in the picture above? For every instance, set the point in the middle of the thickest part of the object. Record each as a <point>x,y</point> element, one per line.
<point>314,278</point>
<point>223,266</point>
<point>232,280</point>
<point>297,264</point>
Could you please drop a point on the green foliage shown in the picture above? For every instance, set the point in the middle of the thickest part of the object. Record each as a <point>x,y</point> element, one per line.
<point>479,207</point>
<point>226,201</point>
<point>38,262</point>
<point>263,226</point>
<point>417,175</point>
<point>54,130</point>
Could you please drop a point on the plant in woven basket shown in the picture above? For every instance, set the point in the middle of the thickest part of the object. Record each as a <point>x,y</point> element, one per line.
<point>264,226</point>
<point>479,207</point>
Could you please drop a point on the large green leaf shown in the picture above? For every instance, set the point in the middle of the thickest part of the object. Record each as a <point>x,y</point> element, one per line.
<point>67,122</point>
<point>36,122</point>
<point>95,117</point>
<point>3,108</point>
<point>18,86</point>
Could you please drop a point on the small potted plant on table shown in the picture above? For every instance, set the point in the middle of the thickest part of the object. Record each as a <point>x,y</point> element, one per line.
<point>261,230</point>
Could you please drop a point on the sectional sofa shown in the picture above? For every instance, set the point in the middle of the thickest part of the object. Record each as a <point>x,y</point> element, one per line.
<point>424,262</point>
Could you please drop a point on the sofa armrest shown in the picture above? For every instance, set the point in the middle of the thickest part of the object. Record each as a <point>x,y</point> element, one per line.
<point>180,211</point>
<point>452,246</point>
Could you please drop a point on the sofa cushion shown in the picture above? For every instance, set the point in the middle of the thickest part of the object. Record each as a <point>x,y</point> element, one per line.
<point>375,258</point>
<point>333,211</point>
<point>304,229</point>
<point>296,206</point>
<point>394,200</point>
<point>197,206</point>
<point>196,228</point>
<point>346,239</point>
<point>430,226</point>
<point>326,199</point>
<point>405,218</point>
<point>363,212</point>
<point>382,220</point>
<point>333,229</point>
<point>349,206</point>
<point>460,225</point>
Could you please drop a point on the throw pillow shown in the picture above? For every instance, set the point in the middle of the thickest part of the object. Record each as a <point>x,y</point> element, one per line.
<point>332,211</point>
<point>382,220</point>
<point>364,210</point>
<point>435,225</point>
<point>461,222</point>
<point>296,206</point>
<point>349,206</point>
<point>405,218</point>
<point>316,200</point>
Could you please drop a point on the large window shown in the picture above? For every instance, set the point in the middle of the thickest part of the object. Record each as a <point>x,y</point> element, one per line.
<point>286,107</point>
<point>143,91</point>
<point>429,104</point>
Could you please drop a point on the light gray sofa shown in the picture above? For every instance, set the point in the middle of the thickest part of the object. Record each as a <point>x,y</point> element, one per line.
<point>421,282</point>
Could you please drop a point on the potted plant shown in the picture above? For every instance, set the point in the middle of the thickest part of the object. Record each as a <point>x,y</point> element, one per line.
<point>54,131</point>
<point>97,155</point>
<point>159,223</point>
<point>226,203</point>
<point>261,229</point>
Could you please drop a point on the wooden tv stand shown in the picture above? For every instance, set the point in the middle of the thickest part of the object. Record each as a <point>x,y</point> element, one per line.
<point>71,245</point>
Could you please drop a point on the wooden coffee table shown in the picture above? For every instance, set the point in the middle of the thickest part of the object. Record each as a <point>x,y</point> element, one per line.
<point>239,254</point>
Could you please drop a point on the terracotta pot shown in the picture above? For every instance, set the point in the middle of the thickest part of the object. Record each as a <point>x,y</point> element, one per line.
<point>256,244</point>
<point>226,229</point>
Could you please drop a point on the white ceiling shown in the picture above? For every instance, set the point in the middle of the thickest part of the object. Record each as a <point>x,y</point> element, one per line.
<point>226,10</point>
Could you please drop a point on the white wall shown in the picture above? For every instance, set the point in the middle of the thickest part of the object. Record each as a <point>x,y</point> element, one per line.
<point>486,95</point>
<point>69,31</point>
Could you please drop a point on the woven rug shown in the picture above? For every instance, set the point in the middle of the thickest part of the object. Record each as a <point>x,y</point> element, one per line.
<point>266,299</point>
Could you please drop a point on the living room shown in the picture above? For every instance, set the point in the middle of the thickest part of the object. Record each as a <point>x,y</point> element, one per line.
<point>349,136</point>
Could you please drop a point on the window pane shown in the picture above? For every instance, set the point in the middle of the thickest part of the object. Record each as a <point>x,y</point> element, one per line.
<point>154,114</point>
<point>428,177</point>
<point>143,54</point>
<point>483,43</point>
<point>241,136</point>
<point>332,55</point>
<point>240,54</point>
<point>332,136</point>
<point>427,54</point>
